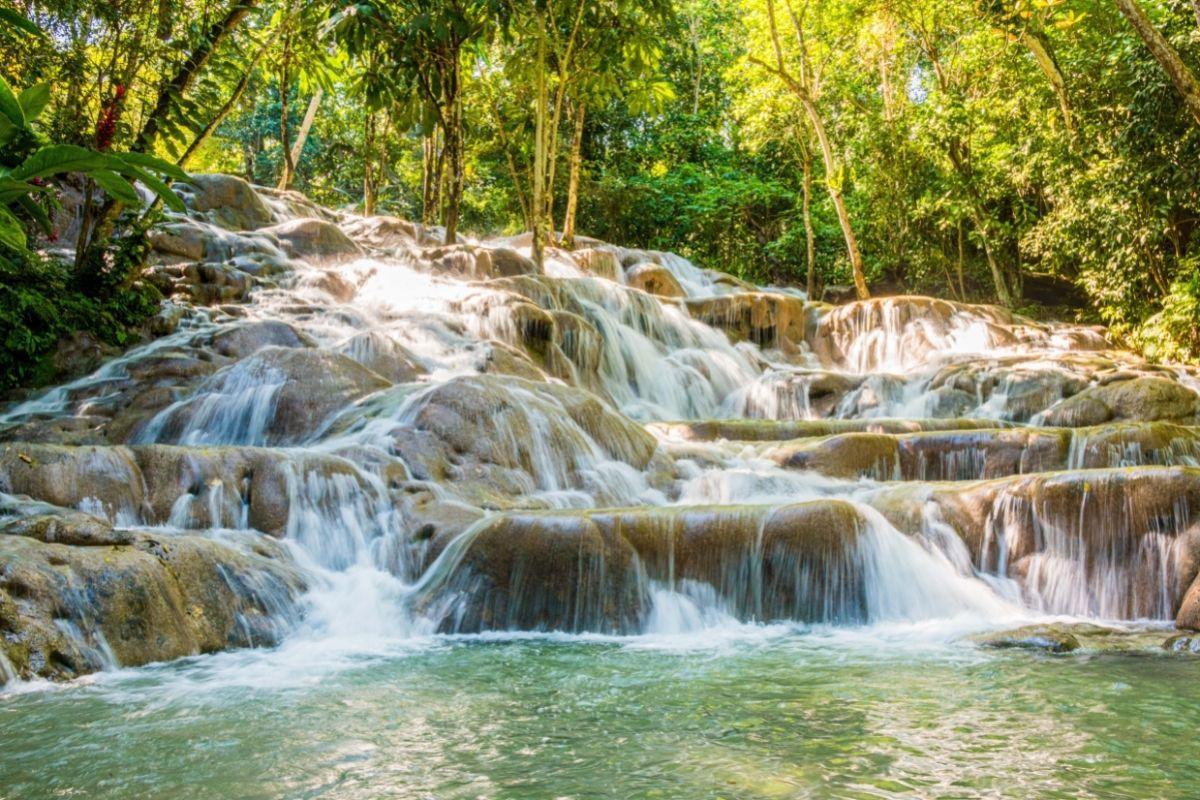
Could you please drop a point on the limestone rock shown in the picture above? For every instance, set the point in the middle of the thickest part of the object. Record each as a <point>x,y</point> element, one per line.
<point>313,238</point>
<point>226,200</point>
<point>654,279</point>
<point>1046,638</point>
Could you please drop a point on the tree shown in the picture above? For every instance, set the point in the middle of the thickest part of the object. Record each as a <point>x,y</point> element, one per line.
<point>1181,76</point>
<point>805,86</point>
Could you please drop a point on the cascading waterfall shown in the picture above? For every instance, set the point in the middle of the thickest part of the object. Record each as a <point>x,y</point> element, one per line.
<point>446,440</point>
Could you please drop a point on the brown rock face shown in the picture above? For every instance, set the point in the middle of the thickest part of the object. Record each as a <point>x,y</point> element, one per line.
<point>654,279</point>
<point>297,390</point>
<point>1146,398</point>
<point>315,239</point>
<point>69,610</point>
<point>226,200</point>
<point>583,571</point>
<point>767,319</point>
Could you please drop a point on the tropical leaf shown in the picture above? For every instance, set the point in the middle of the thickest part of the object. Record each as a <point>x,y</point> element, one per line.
<point>56,159</point>
<point>10,107</point>
<point>116,186</point>
<point>12,234</point>
<point>20,22</point>
<point>154,163</point>
<point>36,212</point>
<point>34,101</point>
<point>156,185</point>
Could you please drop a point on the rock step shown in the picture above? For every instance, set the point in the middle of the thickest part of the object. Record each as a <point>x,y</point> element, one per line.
<point>976,454</point>
<point>77,595</point>
<point>1117,544</point>
<point>768,430</point>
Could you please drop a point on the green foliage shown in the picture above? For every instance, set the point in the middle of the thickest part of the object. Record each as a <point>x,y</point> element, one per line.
<point>40,306</point>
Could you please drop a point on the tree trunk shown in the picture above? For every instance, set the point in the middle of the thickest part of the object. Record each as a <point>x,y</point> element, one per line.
<point>801,89</point>
<point>188,71</point>
<point>285,122</point>
<point>962,250</point>
<point>810,244</point>
<point>1167,57</point>
<point>306,124</point>
<point>512,169</point>
<point>429,177</point>
<point>370,179</point>
<point>454,150</point>
<point>573,180</point>
<point>234,98</point>
<point>539,152</point>
<point>1040,47</point>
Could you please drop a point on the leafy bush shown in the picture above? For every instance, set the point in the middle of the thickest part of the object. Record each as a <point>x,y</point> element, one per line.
<point>40,306</point>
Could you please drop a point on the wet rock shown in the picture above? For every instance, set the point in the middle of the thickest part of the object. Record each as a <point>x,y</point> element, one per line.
<point>654,279</point>
<point>22,516</point>
<point>383,355</point>
<point>243,339</point>
<point>1046,638</point>
<point>79,354</point>
<point>276,396</point>
<point>476,263</point>
<point>1146,398</point>
<point>315,239</point>
<point>226,200</point>
<point>382,233</point>
<point>765,318</point>
<point>104,479</point>
<point>599,263</point>
<point>849,455</point>
<point>761,430</point>
<point>577,571</point>
<point>66,611</point>
<point>1183,643</point>
<point>492,437</point>
<point>184,239</point>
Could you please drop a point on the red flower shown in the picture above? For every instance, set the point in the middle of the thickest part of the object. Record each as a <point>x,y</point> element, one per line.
<point>110,114</point>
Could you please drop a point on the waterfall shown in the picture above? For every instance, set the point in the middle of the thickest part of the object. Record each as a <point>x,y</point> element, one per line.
<point>446,439</point>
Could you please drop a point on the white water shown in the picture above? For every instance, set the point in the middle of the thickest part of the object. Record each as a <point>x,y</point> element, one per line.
<point>373,586</point>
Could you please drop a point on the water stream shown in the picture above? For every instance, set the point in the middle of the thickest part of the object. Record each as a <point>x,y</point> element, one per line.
<point>555,536</point>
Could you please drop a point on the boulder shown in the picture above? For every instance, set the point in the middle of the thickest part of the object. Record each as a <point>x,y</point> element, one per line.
<point>1146,398</point>
<point>279,395</point>
<point>314,239</point>
<point>383,232</point>
<point>383,355</point>
<point>598,263</point>
<point>241,339</point>
<point>69,610</point>
<point>476,263</point>
<point>1047,638</point>
<point>226,200</point>
<point>765,318</point>
<point>654,279</point>
<point>104,480</point>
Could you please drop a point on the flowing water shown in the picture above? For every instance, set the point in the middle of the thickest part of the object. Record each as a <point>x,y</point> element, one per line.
<point>775,714</point>
<point>496,533</point>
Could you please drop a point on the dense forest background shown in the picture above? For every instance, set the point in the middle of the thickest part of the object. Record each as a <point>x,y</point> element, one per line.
<point>1011,151</point>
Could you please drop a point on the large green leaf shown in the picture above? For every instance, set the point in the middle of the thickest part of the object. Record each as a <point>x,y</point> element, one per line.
<point>155,164</point>
<point>56,159</point>
<point>10,189</point>
<point>10,107</point>
<point>155,185</point>
<point>36,212</point>
<point>34,100</point>
<point>20,22</point>
<point>117,187</point>
<point>11,232</point>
